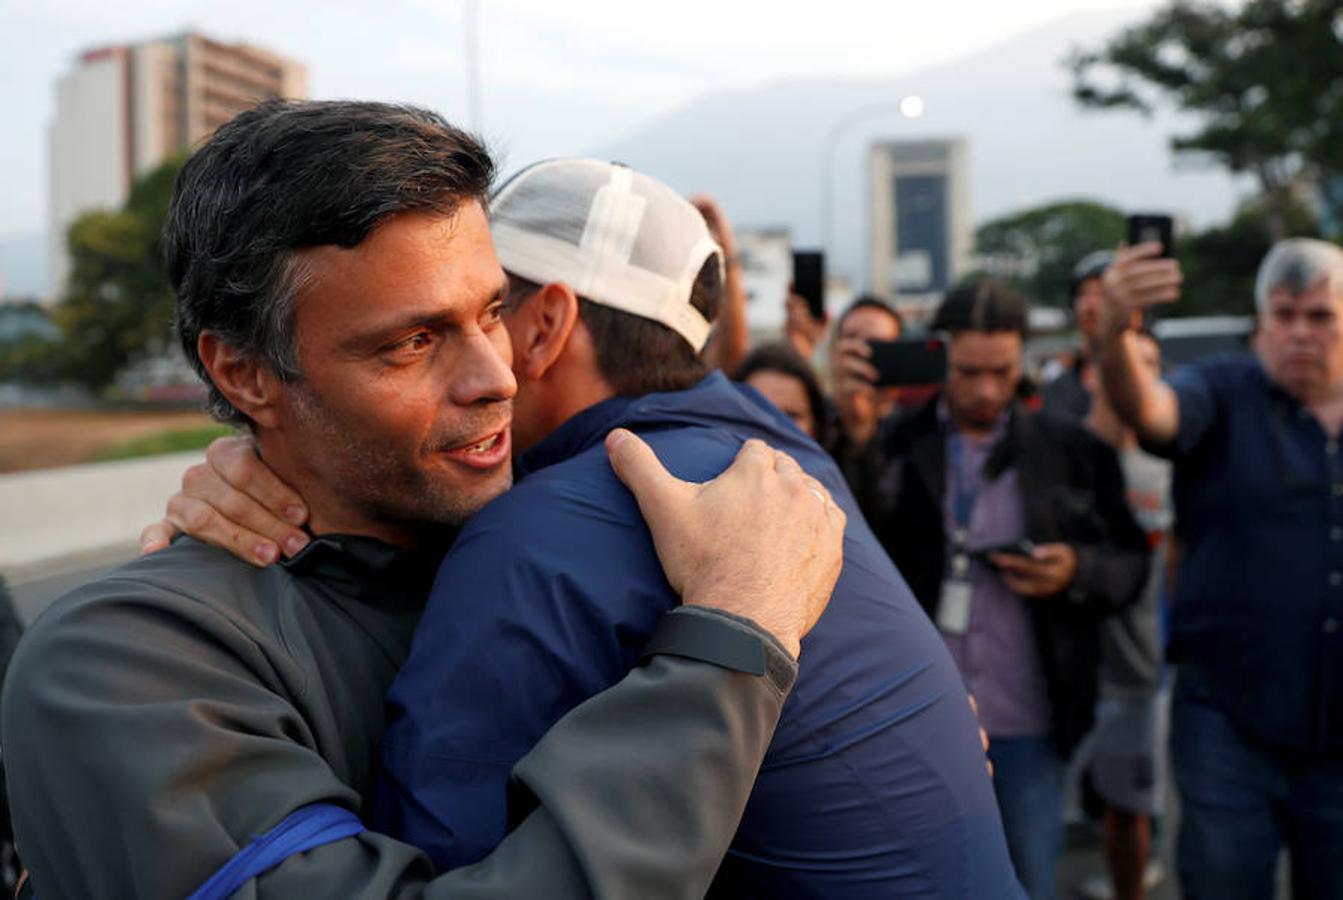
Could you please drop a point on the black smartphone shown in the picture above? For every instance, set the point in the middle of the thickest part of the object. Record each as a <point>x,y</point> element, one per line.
<point>909,361</point>
<point>1022,547</point>
<point>1144,227</point>
<point>809,280</point>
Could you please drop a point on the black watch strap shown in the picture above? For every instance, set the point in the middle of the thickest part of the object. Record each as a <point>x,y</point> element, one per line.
<point>710,640</point>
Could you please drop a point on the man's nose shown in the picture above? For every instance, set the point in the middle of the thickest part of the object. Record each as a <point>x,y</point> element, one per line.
<point>482,372</point>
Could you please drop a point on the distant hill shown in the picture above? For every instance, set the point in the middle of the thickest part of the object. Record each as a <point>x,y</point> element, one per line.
<point>760,152</point>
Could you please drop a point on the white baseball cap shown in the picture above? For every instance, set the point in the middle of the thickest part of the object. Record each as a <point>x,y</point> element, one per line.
<point>615,236</point>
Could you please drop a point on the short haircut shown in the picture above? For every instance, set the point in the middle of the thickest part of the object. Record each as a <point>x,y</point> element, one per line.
<point>289,175</point>
<point>870,301</point>
<point>1297,265</point>
<point>780,357</point>
<point>983,304</point>
<point>638,356</point>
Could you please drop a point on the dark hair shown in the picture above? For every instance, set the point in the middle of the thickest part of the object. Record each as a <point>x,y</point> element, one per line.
<point>288,175</point>
<point>870,301</point>
<point>982,304</point>
<point>782,358</point>
<point>635,355</point>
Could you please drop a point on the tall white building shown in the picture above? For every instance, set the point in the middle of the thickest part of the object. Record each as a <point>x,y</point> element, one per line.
<point>921,235</point>
<point>123,109</point>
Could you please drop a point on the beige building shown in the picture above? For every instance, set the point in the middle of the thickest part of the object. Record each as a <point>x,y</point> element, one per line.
<point>123,109</point>
<point>920,231</point>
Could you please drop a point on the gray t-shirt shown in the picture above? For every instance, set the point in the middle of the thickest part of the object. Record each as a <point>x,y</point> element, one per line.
<point>1131,640</point>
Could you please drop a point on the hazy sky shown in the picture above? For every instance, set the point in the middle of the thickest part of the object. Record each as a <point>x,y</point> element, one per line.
<point>557,78</point>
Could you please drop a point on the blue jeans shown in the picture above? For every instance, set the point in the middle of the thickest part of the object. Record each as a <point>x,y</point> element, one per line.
<point>1028,780</point>
<point>1241,802</point>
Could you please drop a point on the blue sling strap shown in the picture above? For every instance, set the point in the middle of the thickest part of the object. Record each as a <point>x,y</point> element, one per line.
<point>302,830</point>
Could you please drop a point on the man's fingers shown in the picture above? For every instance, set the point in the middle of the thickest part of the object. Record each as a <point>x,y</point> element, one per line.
<point>850,368</point>
<point>235,460</point>
<point>1145,250</point>
<point>1010,562</point>
<point>642,472</point>
<point>157,536</point>
<point>854,346</point>
<point>787,466</point>
<point>203,483</point>
<point>203,522</point>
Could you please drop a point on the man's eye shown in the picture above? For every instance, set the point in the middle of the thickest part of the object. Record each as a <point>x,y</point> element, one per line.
<point>413,344</point>
<point>494,312</point>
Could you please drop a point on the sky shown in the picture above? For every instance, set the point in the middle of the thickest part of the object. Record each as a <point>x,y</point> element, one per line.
<point>556,78</point>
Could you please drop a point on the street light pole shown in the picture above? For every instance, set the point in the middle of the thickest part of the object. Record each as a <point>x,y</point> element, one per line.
<point>471,42</point>
<point>910,107</point>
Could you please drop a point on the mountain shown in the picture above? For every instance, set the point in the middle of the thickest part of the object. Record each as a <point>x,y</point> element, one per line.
<point>761,152</point>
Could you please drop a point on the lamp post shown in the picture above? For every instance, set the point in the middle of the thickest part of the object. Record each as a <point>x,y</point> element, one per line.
<point>471,56</point>
<point>910,107</point>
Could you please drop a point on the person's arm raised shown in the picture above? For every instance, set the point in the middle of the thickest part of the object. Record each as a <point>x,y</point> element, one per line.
<point>732,335</point>
<point>1136,281</point>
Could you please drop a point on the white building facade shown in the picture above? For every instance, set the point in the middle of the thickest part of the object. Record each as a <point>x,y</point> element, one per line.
<point>122,110</point>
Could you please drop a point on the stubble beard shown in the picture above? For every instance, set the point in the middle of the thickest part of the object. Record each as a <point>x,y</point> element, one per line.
<point>378,479</point>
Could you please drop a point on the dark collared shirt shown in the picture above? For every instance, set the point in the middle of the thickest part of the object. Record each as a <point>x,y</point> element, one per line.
<point>1259,509</point>
<point>874,785</point>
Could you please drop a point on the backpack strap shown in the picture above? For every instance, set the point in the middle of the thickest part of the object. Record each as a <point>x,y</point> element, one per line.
<point>304,829</point>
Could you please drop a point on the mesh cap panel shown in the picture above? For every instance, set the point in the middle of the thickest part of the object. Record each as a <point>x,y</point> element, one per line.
<point>616,237</point>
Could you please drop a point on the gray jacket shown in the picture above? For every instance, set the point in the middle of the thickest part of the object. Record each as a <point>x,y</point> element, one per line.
<point>158,719</point>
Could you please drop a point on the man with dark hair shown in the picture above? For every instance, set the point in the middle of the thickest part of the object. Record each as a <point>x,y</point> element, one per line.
<point>1068,395</point>
<point>1015,536</point>
<point>188,714</point>
<point>875,784</point>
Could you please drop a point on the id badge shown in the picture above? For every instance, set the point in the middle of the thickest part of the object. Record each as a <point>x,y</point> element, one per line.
<point>953,613</point>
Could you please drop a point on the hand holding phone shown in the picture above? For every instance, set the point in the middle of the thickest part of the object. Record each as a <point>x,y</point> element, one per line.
<point>909,361</point>
<point>1024,548</point>
<point>1146,228</point>
<point>809,281</point>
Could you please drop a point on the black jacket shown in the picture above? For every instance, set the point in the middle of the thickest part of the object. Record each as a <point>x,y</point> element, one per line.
<point>1073,492</point>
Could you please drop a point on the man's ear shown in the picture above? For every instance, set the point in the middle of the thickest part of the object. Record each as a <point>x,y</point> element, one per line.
<point>245,381</point>
<point>547,320</point>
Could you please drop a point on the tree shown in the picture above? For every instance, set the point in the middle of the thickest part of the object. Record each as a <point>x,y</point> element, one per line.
<point>1264,83</point>
<point>1035,250</point>
<point>118,304</point>
<point>1220,264</point>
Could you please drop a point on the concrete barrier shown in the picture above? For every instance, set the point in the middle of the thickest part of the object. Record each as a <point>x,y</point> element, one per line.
<point>75,512</point>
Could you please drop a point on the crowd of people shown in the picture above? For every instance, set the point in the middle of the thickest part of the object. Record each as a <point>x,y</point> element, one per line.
<point>530,576</point>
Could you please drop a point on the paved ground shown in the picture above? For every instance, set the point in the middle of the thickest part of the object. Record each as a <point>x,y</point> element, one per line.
<point>53,514</point>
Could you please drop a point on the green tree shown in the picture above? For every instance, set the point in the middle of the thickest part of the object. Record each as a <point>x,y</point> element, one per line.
<point>1220,263</point>
<point>118,304</point>
<point>1035,250</point>
<point>1263,81</point>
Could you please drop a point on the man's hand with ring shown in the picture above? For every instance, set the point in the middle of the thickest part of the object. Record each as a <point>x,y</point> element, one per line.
<point>743,542</point>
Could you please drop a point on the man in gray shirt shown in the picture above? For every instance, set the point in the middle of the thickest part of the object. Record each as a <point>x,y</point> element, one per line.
<point>338,291</point>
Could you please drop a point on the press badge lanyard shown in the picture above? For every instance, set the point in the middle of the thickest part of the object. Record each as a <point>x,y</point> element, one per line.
<point>953,611</point>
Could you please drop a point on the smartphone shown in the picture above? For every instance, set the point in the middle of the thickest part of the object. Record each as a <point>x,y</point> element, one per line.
<point>809,280</point>
<point>909,361</point>
<point>1143,227</point>
<point>1022,547</point>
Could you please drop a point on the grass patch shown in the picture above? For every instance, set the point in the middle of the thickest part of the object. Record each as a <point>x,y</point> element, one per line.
<point>173,440</point>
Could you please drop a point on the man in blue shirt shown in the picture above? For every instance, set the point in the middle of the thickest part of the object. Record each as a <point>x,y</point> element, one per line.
<point>875,784</point>
<point>1257,721</point>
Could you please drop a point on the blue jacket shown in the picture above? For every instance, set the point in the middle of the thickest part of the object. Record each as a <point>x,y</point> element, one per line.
<point>875,784</point>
